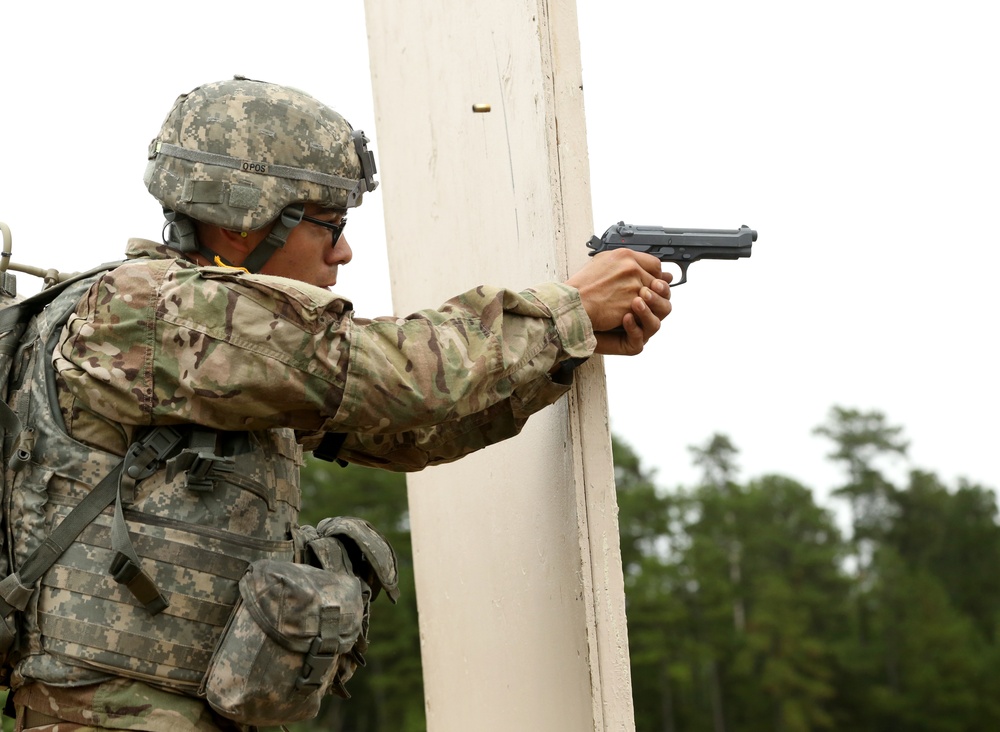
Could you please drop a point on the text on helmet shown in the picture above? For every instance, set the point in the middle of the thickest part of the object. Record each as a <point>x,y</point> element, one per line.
<point>249,166</point>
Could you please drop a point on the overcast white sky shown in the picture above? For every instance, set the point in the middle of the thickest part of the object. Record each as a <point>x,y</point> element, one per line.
<point>858,138</point>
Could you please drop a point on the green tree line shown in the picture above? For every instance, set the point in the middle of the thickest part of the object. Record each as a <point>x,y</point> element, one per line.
<point>749,608</point>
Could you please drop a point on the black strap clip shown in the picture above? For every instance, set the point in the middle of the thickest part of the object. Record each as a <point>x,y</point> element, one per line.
<point>315,665</point>
<point>127,572</point>
<point>200,460</point>
<point>144,456</point>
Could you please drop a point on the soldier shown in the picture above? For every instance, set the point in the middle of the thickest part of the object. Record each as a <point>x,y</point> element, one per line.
<point>211,361</point>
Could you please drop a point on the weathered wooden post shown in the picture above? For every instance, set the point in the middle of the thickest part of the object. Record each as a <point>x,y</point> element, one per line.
<point>518,568</point>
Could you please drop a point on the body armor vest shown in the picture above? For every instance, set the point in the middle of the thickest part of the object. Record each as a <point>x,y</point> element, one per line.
<point>217,502</point>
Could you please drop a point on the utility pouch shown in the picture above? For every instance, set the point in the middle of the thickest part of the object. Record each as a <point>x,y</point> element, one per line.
<point>282,647</point>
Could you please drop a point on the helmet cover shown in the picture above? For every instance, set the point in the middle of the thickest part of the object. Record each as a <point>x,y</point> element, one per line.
<point>236,153</point>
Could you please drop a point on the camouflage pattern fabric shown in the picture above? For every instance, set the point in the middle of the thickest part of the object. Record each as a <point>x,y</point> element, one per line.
<point>195,541</point>
<point>166,342</point>
<point>280,653</point>
<point>117,704</point>
<point>160,341</point>
<point>235,153</point>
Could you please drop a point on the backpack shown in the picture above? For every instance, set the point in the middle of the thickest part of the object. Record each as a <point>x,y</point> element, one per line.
<point>18,344</point>
<point>32,541</point>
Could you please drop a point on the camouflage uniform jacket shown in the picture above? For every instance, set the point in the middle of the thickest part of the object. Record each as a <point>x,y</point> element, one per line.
<point>164,341</point>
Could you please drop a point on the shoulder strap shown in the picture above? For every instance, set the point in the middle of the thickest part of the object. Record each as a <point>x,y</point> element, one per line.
<point>16,588</point>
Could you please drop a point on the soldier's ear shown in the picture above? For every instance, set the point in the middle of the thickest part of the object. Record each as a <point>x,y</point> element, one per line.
<point>241,241</point>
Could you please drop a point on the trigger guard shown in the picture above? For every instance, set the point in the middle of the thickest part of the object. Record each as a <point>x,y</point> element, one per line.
<point>684,273</point>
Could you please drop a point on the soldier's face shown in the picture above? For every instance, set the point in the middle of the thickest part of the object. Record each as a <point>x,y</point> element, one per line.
<point>310,255</point>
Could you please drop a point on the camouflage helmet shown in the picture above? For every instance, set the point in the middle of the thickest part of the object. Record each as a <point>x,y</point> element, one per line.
<point>236,153</point>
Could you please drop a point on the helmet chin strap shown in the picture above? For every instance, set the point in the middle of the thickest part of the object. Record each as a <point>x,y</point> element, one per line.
<point>180,233</point>
<point>291,216</point>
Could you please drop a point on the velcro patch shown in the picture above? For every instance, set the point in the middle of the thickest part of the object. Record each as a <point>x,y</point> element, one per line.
<point>244,197</point>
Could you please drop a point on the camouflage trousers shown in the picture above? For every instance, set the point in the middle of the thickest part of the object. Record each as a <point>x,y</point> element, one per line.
<point>119,704</point>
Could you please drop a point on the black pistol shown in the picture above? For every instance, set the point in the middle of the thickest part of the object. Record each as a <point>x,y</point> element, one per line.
<point>680,246</point>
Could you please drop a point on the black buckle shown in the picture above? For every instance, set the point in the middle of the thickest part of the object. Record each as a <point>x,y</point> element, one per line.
<point>199,466</point>
<point>128,573</point>
<point>142,458</point>
<point>315,665</point>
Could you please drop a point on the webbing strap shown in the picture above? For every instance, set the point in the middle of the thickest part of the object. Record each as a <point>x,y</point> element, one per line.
<point>9,419</point>
<point>87,584</point>
<point>142,646</point>
<point>20,312</point>
<point>126,567</point>
<point>279,171</point>
<point>16,588</point>
<point>13,322</point>
<point>291,216</point>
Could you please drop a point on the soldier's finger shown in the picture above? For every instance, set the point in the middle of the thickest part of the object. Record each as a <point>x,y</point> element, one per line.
<point>648,319</point>
<point>635,337</point>
<point>659,305</point>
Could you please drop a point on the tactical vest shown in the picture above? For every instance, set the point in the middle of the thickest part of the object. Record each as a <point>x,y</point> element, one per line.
<point>199,507</point>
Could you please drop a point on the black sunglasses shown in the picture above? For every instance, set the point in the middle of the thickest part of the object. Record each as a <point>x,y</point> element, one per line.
<point>336,229</point>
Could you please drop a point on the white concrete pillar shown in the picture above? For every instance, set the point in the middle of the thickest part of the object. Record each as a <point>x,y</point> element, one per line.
<point>518,569</point>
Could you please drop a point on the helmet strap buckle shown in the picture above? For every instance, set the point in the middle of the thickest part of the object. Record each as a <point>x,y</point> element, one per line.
<point>179,232</point>
<point>291,216</point>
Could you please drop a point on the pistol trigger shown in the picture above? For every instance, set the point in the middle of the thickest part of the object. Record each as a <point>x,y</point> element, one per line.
<point>684,273</point>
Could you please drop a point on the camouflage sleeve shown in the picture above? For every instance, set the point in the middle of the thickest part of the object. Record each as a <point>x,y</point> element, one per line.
<point>451,440</point>
<point>469,403</point>
<point>163,342</point>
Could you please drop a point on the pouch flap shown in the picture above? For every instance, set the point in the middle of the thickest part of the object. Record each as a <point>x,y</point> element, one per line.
<point>370,552</point>
<point>295,604</point>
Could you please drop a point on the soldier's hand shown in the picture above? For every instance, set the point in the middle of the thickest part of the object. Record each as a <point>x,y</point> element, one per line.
<point>626,295</point>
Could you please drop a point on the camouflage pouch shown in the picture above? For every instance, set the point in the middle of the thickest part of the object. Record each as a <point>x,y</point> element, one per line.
<point>282,648</point>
